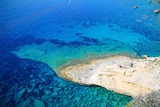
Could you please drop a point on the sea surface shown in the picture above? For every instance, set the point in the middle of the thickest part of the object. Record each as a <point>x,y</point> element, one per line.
<point>38,37</point>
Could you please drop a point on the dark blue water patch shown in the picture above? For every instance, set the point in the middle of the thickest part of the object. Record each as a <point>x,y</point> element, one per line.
<point>59,31</point>
<point>11,42</point>
<point>70,27</point>
<point>87,39</point>
<point>86,25</point>
<point>142,47</point>
<point>78,44</point>
<point>61,43</point>
<point>26,82</point>
<point>39,41</point>
<point>115,48</point>
<point>79,34</point>
<point>151,34</point>
<point>148,48</point>
<point>58,42</point>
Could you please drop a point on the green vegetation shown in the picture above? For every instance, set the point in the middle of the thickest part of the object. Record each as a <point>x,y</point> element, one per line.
<point>149,100</point>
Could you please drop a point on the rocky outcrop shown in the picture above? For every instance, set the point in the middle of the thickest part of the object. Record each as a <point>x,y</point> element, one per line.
<point>118,73</point>
<point>156,11</point>
<point>135,7</point>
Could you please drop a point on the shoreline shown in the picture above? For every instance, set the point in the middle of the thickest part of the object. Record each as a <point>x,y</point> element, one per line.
<point>91,59</point>
<point>110,73</point>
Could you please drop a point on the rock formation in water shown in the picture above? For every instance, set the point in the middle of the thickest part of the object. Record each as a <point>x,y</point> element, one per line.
<point>156,11</point>
<point>118,73</point>
<point>135,7</point>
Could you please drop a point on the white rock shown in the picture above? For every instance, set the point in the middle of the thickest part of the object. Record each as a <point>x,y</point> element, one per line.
<point>144,56</point>
<point>119,73</point>
<point>135,7</point>
<point>156,11</point>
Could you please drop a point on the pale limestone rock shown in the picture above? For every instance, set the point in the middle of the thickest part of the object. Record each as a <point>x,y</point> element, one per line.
<point>156,11</point>
<point>119,73</point>
<point>144,56</point>
<point>135,7</point>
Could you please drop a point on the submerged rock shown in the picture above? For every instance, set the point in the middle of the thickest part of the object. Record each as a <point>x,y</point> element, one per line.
<point>19,90</point>
<point>31,103</point>
<point>25,103</point>
<point>70,97</point>
<point>20,93</point>
<point>38,103</point>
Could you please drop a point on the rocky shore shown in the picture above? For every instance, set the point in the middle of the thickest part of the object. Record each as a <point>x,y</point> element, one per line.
<point>121,74</point>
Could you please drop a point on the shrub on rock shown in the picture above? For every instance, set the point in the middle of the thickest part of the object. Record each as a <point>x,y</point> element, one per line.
<point>149,100</point>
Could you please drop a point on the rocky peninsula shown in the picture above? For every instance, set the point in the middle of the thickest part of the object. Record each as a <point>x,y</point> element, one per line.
<point>122,74</point>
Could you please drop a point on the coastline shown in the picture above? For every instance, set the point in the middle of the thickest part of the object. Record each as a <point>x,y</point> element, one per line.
<point>122,74</point>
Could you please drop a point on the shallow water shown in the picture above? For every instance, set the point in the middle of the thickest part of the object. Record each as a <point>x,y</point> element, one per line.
<point>57,32</point>
<point>28,83</point>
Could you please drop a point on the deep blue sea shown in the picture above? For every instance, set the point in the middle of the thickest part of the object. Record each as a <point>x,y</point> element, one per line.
<point>38,37</point>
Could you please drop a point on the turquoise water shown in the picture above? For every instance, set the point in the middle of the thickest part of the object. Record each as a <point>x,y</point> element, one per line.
<point>29,83</point>
<point>53,33</point>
